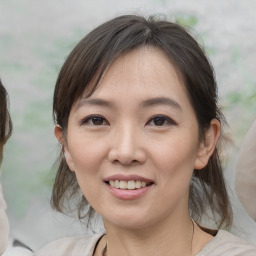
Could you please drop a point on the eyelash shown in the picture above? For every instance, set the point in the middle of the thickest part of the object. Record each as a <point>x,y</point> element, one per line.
<point>164,120</point>
<point>89,119</point>
<point>167,120</point>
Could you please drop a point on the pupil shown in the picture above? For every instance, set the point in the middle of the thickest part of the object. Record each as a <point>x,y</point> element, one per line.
<point>97,120</point>
<point>159,120</point>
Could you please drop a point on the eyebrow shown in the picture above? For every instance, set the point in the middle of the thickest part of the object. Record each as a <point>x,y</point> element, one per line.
<point>161,101</point>
<point>146,103</point>
<point>97,102</point>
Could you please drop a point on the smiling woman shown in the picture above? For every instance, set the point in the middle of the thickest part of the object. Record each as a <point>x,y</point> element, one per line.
<point>136,113</point>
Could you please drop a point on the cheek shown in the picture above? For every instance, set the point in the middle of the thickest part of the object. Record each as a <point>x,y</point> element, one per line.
<point>174,171</point>
<point>86,167</point>
<point>87,158</point>
<point>85,153</point>
<point>175,159</point>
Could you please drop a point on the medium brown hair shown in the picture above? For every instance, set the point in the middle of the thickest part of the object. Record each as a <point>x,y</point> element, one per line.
<point>5,120</point>
<point>86,65</point>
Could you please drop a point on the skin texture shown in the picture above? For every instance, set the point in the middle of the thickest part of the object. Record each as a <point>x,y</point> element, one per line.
<point>146,126</point>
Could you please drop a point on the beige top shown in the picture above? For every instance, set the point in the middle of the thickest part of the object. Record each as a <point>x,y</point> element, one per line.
<point>246,172</point>
<point>223,244</point>
<point>4,224</point>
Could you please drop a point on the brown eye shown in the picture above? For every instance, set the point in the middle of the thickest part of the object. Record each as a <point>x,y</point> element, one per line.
<point>97,120</point>
<point>161,120</point>
<point>94,120</point>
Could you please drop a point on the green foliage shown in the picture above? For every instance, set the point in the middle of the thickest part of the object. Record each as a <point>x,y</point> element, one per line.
<point>186,20</point>
<point>245,97</point>
<point>240,105</point>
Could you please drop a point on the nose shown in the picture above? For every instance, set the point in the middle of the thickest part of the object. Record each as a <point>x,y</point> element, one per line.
<point>127,146</point>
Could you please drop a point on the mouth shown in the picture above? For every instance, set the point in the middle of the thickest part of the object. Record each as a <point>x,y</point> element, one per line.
<point>128,184</point>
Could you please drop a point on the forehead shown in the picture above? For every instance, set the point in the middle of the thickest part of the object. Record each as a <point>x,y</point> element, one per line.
<point>143,71</point>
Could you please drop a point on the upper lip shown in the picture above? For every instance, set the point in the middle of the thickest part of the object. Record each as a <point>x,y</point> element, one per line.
<point>127,178</point>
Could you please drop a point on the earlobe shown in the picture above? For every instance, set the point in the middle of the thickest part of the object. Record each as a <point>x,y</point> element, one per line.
<point>69,159</point>
<point>208,144</point>
<point>58,134</point>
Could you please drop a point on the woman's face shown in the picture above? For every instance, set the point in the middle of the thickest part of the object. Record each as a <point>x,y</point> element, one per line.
<point>133,144</point>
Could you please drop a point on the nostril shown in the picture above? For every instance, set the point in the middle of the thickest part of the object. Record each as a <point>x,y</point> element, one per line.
<point>127,155</point>
<point>126,162</point>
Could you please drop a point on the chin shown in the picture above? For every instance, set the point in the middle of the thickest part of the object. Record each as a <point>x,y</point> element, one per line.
<point>130,221</point>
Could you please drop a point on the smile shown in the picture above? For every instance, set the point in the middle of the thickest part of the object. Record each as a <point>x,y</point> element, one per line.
<point>129,185</point>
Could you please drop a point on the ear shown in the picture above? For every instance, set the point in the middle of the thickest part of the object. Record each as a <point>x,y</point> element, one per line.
<point>59,135</point>
<point>208,144</point>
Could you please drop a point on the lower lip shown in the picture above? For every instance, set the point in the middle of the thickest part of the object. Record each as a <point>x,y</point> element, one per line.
<point>127,194</point>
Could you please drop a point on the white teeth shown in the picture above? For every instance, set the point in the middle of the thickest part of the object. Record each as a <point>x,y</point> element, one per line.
<point>138,184</point>
<point>131,184</point>
<point>123,184</point>
<point>143,184</point>
<point>112,183</point>
<point>116,184</point>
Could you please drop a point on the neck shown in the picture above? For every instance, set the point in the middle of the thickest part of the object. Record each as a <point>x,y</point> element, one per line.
<point>173,239</point>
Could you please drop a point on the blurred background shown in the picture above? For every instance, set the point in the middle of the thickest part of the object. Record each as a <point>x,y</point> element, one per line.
<point>35,39</point>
